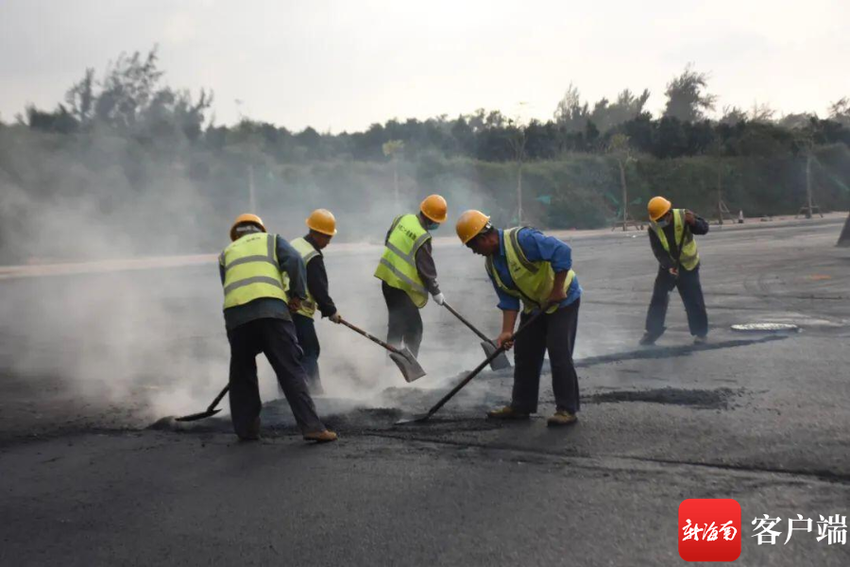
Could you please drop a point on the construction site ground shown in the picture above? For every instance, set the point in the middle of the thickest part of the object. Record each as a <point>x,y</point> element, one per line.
<point>93,361</point>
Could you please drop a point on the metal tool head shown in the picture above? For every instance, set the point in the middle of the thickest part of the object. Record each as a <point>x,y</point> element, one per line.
<point>407,363</point>
<point>420,418</point>
<point>501,362</point>
<point>197,416</point>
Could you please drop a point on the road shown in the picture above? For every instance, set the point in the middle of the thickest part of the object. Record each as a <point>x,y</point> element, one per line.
<point>89,361</point>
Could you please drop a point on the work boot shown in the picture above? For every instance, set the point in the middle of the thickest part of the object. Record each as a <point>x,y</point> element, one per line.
<point>325,436</point>
<point>648,339</point>
<point>561,417</point>
<point>253,432</point>
<point>700,340</point>
<point>507,412</point>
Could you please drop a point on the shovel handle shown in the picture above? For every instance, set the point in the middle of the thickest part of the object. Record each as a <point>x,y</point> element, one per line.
<point>472,327</point>
<point>369,336</point>
<point>219,397</point>
<point>483,365</point>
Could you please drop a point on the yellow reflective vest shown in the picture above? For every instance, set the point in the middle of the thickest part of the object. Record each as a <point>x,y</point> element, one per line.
<point>308,252</point>
<point>398,263</point>
<point>251,270</point>
<point>533,281</point>
<point>688,254</point>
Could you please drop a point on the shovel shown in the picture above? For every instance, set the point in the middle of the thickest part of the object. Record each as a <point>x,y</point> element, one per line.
<point>210,411</point>
<point>425,416</point>
<point>500,362</point>
<point>404,359</point>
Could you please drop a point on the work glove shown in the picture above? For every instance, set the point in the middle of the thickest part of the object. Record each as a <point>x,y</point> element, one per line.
<point>440,299</point>
<point>336,318</point>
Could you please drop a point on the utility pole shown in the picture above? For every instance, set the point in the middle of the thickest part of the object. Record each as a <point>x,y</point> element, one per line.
<point>392,149</point>
<point>519,192</point>
<point>811,206</point>
<point>252,202</point>
<point>518,141</point>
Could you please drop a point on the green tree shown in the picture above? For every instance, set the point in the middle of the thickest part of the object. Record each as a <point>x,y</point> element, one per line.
<point>687,100</point>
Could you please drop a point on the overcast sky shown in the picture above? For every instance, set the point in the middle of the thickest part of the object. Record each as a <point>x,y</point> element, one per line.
<point>341,65</point>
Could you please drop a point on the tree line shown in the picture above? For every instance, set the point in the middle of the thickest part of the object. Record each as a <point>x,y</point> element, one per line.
<point>127,155</point>
<point>131,100</point>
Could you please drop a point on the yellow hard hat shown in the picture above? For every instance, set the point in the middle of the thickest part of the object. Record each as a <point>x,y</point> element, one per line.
<point>435,208</point>
<point>246,218</point>
<point>470,223</point>
<point>658,207</point>
<point>323,221</point>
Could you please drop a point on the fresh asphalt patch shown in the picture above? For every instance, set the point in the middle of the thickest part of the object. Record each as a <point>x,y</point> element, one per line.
<point>697,399</point>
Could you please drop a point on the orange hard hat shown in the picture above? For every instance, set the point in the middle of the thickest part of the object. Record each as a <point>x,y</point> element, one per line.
<point>658,207</point>
<point>323,221</point>
<point>435,208</point>
<point>471,223</point>
<point>245,218</point>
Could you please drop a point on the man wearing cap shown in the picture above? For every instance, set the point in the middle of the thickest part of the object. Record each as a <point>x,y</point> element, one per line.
<point>407,271</point>
<point>671,235</point>
<point>322,225</point>
<point>258,319</point>
<point>528,267</point>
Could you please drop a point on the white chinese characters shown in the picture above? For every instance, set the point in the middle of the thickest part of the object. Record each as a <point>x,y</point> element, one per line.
<point>709,532</point>
<point>831,528</point>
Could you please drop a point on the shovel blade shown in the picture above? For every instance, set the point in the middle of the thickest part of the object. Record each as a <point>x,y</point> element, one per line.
<point>197,416</point>
<point>413,419</point>
<point>501,362</point>
<point>407,364</point>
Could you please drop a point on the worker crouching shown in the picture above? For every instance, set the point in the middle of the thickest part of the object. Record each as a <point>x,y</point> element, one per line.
<point>529,268</point>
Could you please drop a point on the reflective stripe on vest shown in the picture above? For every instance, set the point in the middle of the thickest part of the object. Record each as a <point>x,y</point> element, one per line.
<point>688,254</point>
<point>308,252</point>
<point>533,281</point>
<point>251,270</point>
<point>398,263</point>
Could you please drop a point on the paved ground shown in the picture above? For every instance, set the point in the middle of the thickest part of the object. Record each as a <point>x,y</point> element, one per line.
<point>88,361</point>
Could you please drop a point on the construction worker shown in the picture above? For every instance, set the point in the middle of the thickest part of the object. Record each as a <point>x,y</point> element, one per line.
<point>408,272</point>
<point>671,234</point>
<point>529,267</point>
<point>258,319</point>
<point>322,225</point>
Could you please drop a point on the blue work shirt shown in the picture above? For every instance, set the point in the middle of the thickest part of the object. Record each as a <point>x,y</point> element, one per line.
<point>537,247</point>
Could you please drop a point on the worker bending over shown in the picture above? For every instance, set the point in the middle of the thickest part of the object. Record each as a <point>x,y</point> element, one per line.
<point>408,273</point>
<point>529,267</point>
<point>322,225</point>
<point>257,319</point>
<point>671,234</point>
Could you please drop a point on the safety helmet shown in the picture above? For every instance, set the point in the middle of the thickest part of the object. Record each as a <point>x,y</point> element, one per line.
<point>323,221</point>
<point>470,224</point>
<point>435,208</point>
<point>246,218</point>
<point>658,207</point>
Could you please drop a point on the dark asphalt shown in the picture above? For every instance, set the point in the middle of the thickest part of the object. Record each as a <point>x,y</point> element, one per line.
<point>88,362</point>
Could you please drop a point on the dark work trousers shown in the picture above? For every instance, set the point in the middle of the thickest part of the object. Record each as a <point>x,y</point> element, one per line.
<point>405,323</point>
<point>305,329</point>
<point>691,292</point>
<point>557,334</point>
<point>276,339</point>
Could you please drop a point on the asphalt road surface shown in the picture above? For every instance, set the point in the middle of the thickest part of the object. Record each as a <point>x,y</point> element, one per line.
<point>89,361</point>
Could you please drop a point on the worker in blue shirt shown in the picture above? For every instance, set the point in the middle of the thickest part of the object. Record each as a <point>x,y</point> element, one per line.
<point>535,270</point>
